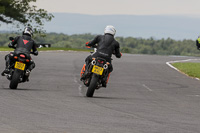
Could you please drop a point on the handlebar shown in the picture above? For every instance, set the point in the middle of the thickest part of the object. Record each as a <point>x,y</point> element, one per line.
<point>94,46</point>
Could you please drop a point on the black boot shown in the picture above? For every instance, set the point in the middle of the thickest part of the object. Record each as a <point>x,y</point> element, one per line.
<point>104,81</point>
<point>28,72</point>
<point>104,84</point>
<point>6,71</point>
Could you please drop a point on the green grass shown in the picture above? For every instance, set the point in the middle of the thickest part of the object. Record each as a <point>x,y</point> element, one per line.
<point>189,68</point>
<point>5,49</point>
<point>47,49</point>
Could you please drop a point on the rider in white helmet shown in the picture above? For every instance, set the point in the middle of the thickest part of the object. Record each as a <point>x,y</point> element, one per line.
<point>106,46</point>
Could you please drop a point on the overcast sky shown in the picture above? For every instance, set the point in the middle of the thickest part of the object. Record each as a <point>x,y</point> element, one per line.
<point>131,7</point>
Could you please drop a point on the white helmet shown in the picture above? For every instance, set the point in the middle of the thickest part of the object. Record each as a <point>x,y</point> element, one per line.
<point>110,30</point>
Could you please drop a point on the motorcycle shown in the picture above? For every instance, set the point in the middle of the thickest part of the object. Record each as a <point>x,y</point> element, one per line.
<point>19,66</point>
<point>97,71</point>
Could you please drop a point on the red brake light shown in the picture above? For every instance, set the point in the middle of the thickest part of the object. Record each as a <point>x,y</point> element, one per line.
<point>100,61</point>
<point>21,55</point>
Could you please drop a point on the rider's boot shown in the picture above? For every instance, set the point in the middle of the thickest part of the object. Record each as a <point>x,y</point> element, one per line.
<point>105,80</point>
<point>6,71</point>
<point>28,71</point>
<point>104,84</point>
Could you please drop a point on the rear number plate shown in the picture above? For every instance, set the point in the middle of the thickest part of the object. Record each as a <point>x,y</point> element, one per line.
<point>98,70</point>
<point>19,65</point>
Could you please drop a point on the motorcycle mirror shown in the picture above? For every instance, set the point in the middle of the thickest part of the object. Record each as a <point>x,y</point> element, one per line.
<point>43,45</point>
<point>47,45</point>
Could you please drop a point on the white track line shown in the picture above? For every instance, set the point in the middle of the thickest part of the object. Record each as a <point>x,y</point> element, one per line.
<point>169,64</point>
<point>147,87</point>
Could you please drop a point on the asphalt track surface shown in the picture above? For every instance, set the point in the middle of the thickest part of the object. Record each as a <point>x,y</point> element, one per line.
<point>144,95</point>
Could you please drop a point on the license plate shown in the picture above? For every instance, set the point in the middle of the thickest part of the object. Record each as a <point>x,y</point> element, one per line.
<point>97,70</point>
<point>19,65</point>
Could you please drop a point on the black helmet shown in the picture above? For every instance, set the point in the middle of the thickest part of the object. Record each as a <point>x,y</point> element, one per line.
<point>28,31</point>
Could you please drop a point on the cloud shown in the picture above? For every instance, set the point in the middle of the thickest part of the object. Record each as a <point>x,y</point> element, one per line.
<point>131,7</point>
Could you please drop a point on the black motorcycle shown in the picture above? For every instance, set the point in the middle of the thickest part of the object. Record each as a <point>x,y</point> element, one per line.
<point>19,66</point>
<point>97,71</point>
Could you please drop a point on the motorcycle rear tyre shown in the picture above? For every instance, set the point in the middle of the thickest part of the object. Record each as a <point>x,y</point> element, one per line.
<point>92,86</point>
<point>15,79</point>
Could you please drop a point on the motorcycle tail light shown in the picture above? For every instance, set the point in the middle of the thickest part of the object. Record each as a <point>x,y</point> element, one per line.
<point>21,55</point>
<point>15,57</point>
<point>100,61</point>
<point>27,60</point>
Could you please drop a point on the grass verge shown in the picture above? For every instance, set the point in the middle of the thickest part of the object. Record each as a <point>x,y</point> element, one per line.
<point>190,68</point>
<point>5,49</point>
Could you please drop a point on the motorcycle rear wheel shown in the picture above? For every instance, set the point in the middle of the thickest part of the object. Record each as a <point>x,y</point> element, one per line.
<point>92,86</point>
<point>15,79</point>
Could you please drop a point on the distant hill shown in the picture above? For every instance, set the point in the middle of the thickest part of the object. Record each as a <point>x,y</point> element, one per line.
<point>157,26</point>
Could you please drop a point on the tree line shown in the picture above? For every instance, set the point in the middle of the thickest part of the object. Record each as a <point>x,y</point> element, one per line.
<point>127,44</point>
<point>23,12</point>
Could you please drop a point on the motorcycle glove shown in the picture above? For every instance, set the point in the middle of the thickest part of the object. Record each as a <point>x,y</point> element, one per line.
<point>35,52</point>
<point>10,45</point>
